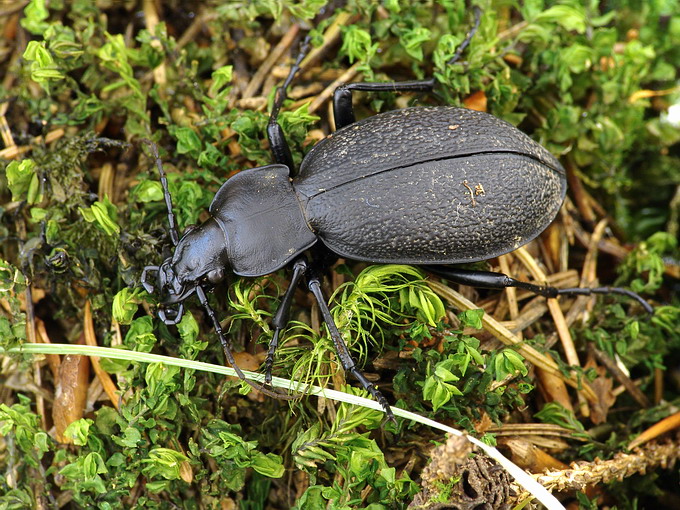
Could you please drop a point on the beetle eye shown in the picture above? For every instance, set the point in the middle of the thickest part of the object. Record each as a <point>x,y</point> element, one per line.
<point>216,275</point>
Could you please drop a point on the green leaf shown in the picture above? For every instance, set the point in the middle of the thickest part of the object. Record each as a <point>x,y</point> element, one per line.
<point>471,318</point>
<point>43,68</point>
<point>567,16</point>
<point>413,41</point>
<point>103,214</point>
<point>188,328</point>
<point>164,462</point>
<point>269,465</point>
<point>188,141</point>
<point>220,78</point>
<point>22,181</point>
<point>356,44</point>
<point>125,304</point>
<point>34,17</point>
<point>79,431</point>
<point>148,191</point>
<point>140,336</point>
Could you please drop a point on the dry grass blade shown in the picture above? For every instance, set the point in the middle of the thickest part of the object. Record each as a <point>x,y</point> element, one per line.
<point>669,423</point>
<point>91,339</point>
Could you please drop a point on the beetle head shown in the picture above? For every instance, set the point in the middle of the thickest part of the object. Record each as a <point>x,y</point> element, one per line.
<point>200,258</point>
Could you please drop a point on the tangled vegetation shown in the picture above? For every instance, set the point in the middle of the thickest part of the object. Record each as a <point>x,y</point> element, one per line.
<point>550,383</point>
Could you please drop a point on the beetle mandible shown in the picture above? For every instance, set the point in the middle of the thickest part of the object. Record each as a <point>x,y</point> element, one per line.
<point>428,186</point>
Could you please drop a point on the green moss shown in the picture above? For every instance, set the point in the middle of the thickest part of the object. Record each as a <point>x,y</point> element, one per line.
<point>573,75</point>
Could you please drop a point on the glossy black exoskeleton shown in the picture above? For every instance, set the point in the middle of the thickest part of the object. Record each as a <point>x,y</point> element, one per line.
<point>429,186</point>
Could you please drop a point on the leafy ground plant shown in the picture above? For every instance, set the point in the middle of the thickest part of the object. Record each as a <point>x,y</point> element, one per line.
<point>581,392</point>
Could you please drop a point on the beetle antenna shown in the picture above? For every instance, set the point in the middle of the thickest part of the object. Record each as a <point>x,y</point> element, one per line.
<point>468,38</point>
<point>226,347</point>
<point>172,223</point>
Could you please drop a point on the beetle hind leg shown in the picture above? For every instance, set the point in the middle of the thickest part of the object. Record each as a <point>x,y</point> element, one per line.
<point>491,280</point>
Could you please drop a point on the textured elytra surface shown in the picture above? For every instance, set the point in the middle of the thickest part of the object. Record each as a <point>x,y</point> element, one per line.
<point>429,185</point>
<point>409,136</point>
<point>431,212</point>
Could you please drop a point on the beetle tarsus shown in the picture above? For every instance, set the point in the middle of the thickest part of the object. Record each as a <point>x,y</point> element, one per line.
<point>492,280</point>
<point>172,223</point>
<point>277,141</point>
<point>587,291</point>
<point>468,37</point>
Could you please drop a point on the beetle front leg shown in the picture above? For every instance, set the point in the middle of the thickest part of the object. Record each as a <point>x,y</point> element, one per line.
<point>280,320</point>
<point>348,363</point>
<point>491,280</point>
<point>226,347</point>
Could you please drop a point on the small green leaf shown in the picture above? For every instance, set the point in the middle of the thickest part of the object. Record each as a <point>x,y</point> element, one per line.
<point>43,68</point>
<point>472,318</point>
<point>568,17</point>
<point>269,465</point>
<point>140,336</point>
<point>188,141</point>
<point>34,17</point>
<point>79,431</point>
<point>104,214</point>
<point>413,41</point>
<point>148,191</point>
<point>125,305</point>
<point>22,181</point>
<point>164,462</point>
<point>188,328</point>
<point>220,78</point>
<point>356,44</point>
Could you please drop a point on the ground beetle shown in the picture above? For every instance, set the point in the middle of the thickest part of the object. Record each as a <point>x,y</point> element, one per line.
<point>428,186</point>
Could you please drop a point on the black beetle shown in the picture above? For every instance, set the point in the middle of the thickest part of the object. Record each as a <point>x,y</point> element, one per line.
<point>429,186</point>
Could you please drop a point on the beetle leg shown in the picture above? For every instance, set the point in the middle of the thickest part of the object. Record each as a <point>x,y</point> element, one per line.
<point>491,280</point>
<point>226,347</point>
<point>348,363</point>
<point>343,112</point>
<point>468,37</point>
<point>587,291</point>
<point>280,320</point>
<point>277,141</point>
